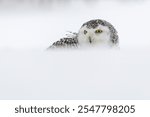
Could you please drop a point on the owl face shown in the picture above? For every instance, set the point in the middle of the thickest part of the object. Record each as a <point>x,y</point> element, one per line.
<point>93,36</point>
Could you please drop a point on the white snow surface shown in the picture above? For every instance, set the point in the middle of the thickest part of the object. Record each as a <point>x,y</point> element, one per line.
<point>28,71</point>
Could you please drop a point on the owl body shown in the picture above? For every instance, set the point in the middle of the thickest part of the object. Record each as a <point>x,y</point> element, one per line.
<point>94,33</point>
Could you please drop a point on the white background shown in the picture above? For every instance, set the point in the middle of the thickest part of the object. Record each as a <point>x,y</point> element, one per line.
<point>28,71</point>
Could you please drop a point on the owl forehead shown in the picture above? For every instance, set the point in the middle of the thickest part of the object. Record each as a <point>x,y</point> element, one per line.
<point>93,24</point>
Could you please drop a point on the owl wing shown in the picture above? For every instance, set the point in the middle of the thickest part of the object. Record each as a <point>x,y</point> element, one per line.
<point>65,42</point>
<point>69,41</point>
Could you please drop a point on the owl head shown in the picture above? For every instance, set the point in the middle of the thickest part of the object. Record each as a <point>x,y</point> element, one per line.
<point>97,32</point>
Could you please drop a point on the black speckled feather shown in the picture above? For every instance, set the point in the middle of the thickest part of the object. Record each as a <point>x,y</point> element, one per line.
<point>66,42</point>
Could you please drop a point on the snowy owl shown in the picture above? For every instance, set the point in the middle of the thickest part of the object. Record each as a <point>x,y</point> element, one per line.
<point>94,33</point>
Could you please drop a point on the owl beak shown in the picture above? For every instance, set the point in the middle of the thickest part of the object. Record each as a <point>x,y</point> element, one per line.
<point>90,40</point>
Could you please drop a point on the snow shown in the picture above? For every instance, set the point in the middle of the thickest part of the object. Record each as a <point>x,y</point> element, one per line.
<point>28,71</point>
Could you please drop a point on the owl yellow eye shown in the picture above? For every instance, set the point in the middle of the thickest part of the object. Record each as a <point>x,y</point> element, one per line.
<point>98,31</point>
